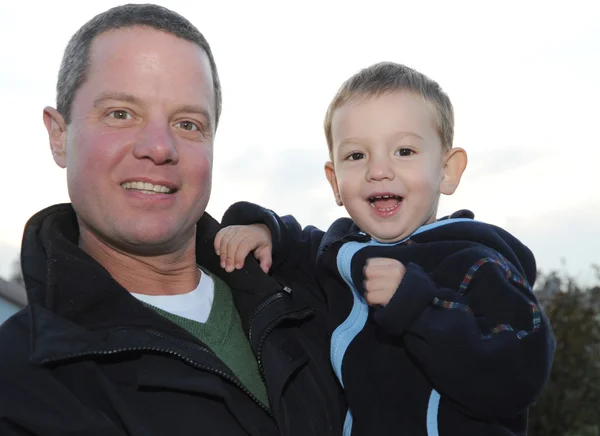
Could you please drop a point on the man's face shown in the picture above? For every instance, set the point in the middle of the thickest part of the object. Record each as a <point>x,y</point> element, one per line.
<point>388,163</point>
<point>139,148</point>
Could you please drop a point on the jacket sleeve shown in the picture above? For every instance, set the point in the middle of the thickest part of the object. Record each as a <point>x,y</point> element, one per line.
<point>483,341</point>
<point>8,428</point>
<point>33,400</point>
<point>292,245</point>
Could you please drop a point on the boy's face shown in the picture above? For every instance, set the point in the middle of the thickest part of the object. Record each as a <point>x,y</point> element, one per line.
<point>389,166</point>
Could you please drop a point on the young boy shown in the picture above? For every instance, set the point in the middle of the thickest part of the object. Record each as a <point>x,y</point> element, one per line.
<point>433,324</point>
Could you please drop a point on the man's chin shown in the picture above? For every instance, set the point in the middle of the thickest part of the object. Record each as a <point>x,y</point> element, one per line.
<point>156,242</point>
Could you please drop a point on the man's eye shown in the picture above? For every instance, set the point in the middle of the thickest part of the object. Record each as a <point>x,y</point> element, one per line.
<point>404,152</point>
<point>120,115</point>
<point>188,125</point>
<point>356,156</point>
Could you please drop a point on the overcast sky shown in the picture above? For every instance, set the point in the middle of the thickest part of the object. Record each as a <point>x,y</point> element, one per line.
<point>522,75</point>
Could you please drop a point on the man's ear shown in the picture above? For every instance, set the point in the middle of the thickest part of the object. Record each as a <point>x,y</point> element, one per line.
<point>455,163</point>
<point>57,134</point>
<point>332,179</point>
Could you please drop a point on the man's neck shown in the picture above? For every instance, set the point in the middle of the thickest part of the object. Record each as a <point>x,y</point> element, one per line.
<point>165,274</point>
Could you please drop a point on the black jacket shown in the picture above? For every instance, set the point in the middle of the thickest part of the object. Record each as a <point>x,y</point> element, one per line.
<point>87,358</point>
<point>462,348</point>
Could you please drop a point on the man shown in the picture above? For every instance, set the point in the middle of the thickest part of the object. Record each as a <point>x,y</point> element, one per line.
<point>131,327</point>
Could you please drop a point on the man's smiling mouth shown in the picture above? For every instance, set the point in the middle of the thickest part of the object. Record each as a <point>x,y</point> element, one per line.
<point>147,188</point>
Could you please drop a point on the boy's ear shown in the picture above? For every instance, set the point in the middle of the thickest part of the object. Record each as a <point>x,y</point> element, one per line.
<point>455,163</point>
<point>332,179</point>
<point>57,134</point>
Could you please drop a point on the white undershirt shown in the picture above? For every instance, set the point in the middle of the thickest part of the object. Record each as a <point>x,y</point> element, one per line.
<point>194,305</point>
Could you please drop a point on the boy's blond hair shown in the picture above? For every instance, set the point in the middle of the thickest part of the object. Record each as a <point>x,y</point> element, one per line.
<point>386,77</point>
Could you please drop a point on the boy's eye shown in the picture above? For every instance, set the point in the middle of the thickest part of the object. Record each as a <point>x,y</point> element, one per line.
<point>356,156</point>
<point>188,125</point>
<point>120,115</point>
<point>404,152</point>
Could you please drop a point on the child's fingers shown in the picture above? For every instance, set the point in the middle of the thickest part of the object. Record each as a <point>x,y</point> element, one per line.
<point>389,268</point>
<point>231,245</point>
<point>222,243</point>
<point>244,244</point>
<point>264,256</point>
<point>381,262</point>
<point>377,298</point>
<point>373,271</point>
<point>230,241</point>
<point>376,284</point>
<point>234,243</point>
<point>217,241</point>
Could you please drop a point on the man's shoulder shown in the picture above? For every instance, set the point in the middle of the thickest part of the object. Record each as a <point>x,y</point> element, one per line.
<point>14,336</point>
<point>15,340</point>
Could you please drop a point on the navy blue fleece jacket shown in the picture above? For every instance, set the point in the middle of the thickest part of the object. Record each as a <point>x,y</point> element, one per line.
<point>462,348</point>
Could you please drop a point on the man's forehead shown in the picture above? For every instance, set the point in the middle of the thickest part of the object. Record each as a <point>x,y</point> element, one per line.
<point>124,39</point>
<point>128,57</point>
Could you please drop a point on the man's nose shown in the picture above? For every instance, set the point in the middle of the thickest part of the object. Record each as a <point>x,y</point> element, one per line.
<point>157,143</point>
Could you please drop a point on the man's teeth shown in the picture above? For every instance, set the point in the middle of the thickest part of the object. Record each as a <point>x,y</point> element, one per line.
<point>147,188</point>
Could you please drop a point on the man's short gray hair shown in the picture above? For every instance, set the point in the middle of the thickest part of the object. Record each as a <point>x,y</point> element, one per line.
<point>75,62</point>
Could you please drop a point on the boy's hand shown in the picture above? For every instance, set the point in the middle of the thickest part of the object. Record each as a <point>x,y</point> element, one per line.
<point>234,243</point>
<point>382,278</point>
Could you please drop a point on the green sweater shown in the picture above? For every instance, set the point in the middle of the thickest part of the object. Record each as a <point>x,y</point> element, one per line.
<point>223,334</point>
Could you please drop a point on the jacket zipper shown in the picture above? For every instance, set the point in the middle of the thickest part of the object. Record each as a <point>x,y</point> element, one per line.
<point>216,371</point>
<point>348,237</point>
<point>300,315</point>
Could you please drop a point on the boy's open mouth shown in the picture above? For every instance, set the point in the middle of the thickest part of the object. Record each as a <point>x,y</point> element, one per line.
<point>385,202</point>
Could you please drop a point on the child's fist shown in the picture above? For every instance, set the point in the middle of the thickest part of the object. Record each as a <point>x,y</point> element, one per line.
<point>382,278</point>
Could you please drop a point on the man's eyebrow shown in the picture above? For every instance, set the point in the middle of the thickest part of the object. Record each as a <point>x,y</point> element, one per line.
<point>198,110</point>
<point>121,96</point>
<point>194,109</point>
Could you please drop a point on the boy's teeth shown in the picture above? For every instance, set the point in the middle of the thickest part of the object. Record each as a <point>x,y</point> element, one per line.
<point>384,197</point>
<point>146,188</point>
<point>385,202</point>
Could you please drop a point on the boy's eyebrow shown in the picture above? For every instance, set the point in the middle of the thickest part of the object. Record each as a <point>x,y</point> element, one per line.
<point>400,135</point>
<point>395,135</point>
<point>350,141</point>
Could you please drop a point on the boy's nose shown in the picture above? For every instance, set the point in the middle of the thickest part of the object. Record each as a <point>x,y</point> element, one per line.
<point>380,169</point>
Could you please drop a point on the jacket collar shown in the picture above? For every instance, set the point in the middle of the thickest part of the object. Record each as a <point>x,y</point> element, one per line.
<point>64,282</point>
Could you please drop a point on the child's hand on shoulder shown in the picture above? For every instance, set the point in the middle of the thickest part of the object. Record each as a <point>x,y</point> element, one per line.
<point>234,243</point>
<point>382,278</point>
